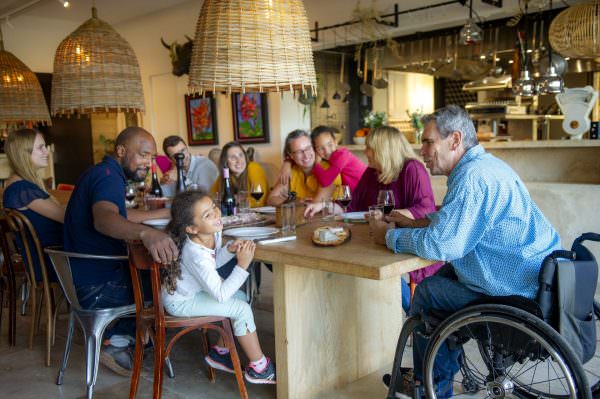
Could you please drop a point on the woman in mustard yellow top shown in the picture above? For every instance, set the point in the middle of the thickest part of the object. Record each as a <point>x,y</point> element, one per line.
<point>244,175</point>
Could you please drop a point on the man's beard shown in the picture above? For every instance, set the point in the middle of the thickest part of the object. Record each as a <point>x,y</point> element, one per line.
<point>133,174</point>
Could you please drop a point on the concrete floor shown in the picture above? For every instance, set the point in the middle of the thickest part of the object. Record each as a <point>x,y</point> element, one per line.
<point>23,374</point>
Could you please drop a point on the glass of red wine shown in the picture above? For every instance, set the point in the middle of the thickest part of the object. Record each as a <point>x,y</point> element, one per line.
<point>256,192</point>
<point>344,196</point>
<point>386,199</point>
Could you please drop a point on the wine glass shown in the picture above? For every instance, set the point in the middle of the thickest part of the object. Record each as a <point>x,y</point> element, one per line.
<point>343,196</point>
<point>130,193</point>
<point>386,198</point>
<point>256,191</point>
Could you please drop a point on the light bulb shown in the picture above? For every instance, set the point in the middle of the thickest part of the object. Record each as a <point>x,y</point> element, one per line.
<point>66,4</point>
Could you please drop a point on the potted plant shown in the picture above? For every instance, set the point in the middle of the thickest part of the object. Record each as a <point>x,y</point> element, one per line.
<point>415,121</point>
<point>372,120</point>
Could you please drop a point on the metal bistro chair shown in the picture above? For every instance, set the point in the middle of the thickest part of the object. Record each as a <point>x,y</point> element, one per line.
<point>93,322</point>
<point>154,316</point>
<point>22,227</point>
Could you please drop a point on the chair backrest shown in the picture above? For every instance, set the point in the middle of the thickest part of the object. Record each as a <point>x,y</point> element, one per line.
<point>8,266</point>
<point>22,227</point>
<point>65,187</point>
<point>62,265</point>
<point>141,260</point>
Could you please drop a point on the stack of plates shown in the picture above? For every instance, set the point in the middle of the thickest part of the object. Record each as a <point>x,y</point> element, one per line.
<point>251,232</point>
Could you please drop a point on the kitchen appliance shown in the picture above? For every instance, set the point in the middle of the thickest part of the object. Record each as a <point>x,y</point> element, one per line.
<point>576,104</point>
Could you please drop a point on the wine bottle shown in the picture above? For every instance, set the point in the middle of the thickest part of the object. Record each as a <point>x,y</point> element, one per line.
<point>180,186</point>
<point>155,189</point>
<point>228,199</point>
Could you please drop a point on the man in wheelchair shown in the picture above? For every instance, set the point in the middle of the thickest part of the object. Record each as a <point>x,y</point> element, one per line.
<point>493,234</point>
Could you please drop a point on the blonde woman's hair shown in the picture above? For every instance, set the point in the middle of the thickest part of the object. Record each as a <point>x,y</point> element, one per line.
<point>390,150</point>
<point>18,149</point>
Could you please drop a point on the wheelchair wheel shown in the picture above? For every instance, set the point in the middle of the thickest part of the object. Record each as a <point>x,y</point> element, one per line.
<point>592,368</point>
<point>505,353</point>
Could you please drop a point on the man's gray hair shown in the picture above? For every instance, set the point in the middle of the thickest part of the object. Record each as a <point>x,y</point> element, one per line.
<point>453,118</point>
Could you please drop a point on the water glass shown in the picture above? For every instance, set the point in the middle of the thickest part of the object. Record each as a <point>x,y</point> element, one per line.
<point>151,202</point>
<point>376,212</point>
<point>243,205</point>
<point>288,218</point>
<point>327,211</point>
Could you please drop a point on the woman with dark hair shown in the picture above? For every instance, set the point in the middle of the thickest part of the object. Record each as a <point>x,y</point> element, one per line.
<point>191,286</point>
<point>24,191</point>
<point>243,174</point>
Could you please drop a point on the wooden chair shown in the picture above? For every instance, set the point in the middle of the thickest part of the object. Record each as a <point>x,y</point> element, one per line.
<point>11,261</point>
<point>22,227</point>
<point>154,316</point>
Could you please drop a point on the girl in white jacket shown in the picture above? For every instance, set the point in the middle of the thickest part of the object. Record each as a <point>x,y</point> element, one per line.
<point>193,287</point>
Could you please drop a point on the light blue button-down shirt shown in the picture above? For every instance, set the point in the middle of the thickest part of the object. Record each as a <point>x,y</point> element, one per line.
<point>488,227</point>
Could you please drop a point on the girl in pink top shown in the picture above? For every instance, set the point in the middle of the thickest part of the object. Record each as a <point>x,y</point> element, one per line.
<point>341,160</point>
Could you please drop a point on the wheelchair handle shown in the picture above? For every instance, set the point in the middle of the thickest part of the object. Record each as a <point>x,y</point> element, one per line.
<point>562,254</point>
<point>587,237</point>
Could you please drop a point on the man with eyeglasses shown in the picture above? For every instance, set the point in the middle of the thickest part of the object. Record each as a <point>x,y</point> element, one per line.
<point>198,169</point>
<point>299,150</point>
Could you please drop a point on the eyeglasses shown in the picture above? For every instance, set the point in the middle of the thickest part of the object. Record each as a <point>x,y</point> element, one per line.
<point>304,151</point>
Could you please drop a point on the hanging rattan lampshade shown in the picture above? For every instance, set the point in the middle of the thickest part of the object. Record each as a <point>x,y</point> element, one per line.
<point>575,32</point>
<point>252,45</point>
<point>21,97</point>
<point>96,70</point>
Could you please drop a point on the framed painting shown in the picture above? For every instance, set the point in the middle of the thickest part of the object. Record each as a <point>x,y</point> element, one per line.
<point>201,115</point>
<point>250,118</point>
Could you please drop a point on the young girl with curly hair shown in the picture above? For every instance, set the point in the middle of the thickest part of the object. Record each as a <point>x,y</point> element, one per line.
<point>192,286</point>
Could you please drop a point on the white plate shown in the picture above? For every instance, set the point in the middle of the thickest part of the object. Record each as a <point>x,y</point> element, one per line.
<point>354,215</point>
<point>264,209</point>
<point>251,232</point>
<point>157,223</point>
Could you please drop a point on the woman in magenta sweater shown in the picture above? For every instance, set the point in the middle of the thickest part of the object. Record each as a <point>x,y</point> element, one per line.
<point>341,160</point>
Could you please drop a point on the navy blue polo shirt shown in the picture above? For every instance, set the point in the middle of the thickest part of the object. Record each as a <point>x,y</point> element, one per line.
<point>102,182</point>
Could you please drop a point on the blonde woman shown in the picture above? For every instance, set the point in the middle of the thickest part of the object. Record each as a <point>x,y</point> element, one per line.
<point>24,191</point>
<point>393,166</point>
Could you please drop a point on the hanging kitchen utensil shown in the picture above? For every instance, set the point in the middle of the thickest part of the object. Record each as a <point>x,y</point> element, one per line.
<point>306,99</point>
<point>430,67</point>
<point>378,81</point>
<point>344,87</point>
<point>455,72</point>
<point>366,88</point>
<point>496,69</point>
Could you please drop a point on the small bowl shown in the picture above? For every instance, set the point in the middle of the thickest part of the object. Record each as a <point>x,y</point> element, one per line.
<point>359,140</point>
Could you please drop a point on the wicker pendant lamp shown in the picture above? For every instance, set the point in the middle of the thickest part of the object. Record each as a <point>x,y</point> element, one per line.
<point>96,70</point>
<point>575,32</point>
<point>252,46</point>
<point>21,97</point>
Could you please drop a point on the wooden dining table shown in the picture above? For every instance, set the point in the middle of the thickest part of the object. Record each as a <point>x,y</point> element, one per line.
<point>337,310</point>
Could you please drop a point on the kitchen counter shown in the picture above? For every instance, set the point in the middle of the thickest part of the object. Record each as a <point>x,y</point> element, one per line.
<point>521,144</point>
<point>551,161</point>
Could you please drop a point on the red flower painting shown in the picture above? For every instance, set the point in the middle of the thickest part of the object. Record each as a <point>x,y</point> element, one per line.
<point>201,120</point>
<point>250,118</point>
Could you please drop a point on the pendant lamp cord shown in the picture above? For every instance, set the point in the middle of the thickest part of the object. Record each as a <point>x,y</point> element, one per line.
<point>471,10</point>
<point>1,39</point>
<point>549,46</point>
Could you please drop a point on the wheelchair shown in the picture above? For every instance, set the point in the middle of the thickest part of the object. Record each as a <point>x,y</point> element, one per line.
<point>508,347</point>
